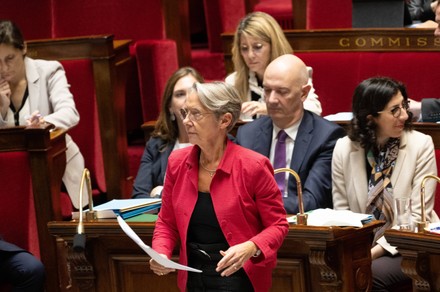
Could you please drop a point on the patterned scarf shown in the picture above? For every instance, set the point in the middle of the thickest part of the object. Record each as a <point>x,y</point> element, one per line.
<point>380,190</point>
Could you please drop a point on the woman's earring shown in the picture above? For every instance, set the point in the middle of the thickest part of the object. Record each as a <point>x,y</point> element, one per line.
<point>172,116</point>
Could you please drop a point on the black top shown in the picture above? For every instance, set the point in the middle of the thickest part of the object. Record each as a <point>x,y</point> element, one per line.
<point>203,226</point>
<point>17,112</point>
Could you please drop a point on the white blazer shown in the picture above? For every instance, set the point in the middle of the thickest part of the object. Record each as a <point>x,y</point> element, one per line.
<point>415,160</point>
<point>49,94</point>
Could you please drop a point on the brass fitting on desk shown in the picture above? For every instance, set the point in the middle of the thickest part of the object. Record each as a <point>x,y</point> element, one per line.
<point>301,217</point>
<point>90,215</point>
<point>423,224</point>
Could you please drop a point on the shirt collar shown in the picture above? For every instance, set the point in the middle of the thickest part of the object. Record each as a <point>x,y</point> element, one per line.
<point>291,131</point>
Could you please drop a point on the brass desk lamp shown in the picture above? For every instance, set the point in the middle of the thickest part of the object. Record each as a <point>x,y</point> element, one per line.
<point>301,218</point>
<point>423,223</point>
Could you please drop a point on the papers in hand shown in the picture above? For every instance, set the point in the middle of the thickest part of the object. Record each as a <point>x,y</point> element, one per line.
<point>330,217</point>
<point>151,252</point>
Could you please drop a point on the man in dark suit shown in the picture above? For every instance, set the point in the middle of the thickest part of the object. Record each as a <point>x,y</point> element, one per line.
<point>428,110</point>
<point>20,268</point>
<point>310,141</point>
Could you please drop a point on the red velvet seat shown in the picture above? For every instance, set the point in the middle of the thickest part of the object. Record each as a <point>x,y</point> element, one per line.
<point>26,14</point>
<point>220,16</point>
<point>34,160</point>
<point>328,14</point>
<point>148,54</point>
<point>336,74</point>
<point>140,21</point>
<point>281,10</point>
<point>18,224</point>
<point>86,134</point>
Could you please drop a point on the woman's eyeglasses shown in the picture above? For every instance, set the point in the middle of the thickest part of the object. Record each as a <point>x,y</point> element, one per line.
<point>397,111</point>
<point>194,116</point>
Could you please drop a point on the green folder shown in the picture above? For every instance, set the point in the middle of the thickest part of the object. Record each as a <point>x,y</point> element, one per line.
<point>143,218</point>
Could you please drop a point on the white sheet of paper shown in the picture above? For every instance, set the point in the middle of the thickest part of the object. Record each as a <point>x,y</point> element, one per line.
<point>151,252</point>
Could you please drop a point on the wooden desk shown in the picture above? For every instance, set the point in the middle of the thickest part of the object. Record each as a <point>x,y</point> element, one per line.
<point>310,259</point>
<point>421,257</point>
<point>110,59</point>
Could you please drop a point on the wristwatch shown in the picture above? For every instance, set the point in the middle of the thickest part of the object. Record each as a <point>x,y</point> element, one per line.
<point>257,253</point>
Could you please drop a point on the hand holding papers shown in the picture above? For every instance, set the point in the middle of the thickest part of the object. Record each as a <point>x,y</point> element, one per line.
<point>151,252</point>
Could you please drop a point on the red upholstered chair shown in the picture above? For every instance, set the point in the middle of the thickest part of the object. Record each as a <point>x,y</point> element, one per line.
<point>34,160</point>
<point>220,16</point>
<point>158,54</point>
<point>26,14</point>
<point>139,21</point>
<point>334,90</point>
<point>154,54</point>
<point>18,223</point>
<point>328,14</point>
<point>281,10</point>
<point>86,134</point>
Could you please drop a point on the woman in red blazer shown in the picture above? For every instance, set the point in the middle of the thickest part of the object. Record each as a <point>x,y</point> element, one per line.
<point>220,202</point>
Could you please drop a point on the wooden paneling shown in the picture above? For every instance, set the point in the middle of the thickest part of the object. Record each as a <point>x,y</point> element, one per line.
<point>351,40</point>
<point>421,257</point>
<point>311,259</point>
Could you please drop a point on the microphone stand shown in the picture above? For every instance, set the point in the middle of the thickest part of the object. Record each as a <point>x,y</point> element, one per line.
<point>423,224</point>
<point>79,240</point>
<point>301,217</point>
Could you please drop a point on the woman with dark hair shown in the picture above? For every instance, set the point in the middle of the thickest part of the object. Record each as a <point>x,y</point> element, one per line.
<point>382,159</point>
<point>34,92</point>
<point>169,134</point>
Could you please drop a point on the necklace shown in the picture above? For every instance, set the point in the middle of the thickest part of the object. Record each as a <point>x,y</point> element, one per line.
<point>211,172</point>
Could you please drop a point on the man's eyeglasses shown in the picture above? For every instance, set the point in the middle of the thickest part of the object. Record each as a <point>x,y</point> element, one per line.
<point>397,111</point>
<point>194,116</point>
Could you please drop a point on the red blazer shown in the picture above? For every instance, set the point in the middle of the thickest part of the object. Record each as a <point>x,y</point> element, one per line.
<point>246,199</point>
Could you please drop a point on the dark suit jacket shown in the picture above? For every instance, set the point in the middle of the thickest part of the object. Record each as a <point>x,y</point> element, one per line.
<point>311,157</point>
<point>431,110</point>
<point>152,168</point>
<point>9,247</point>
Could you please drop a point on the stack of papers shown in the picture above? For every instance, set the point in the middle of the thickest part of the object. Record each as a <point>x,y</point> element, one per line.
<point>126,208</point>
<point>342,116</point>
<point>434,227</point>
<point>330,217</point>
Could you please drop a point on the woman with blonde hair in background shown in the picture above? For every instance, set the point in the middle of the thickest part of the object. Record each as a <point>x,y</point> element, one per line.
<point>259,40</point>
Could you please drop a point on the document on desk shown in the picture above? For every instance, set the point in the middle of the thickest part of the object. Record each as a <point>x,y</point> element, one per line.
<point>151,252</point>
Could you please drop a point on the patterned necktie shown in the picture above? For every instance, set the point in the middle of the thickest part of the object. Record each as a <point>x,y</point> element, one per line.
<point>380,190</point>
<point>280,160</point>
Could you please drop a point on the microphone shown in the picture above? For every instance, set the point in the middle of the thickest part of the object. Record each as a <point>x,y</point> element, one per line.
<point>79,240</point>
<point>301,217</point>
<point>423,224</point>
